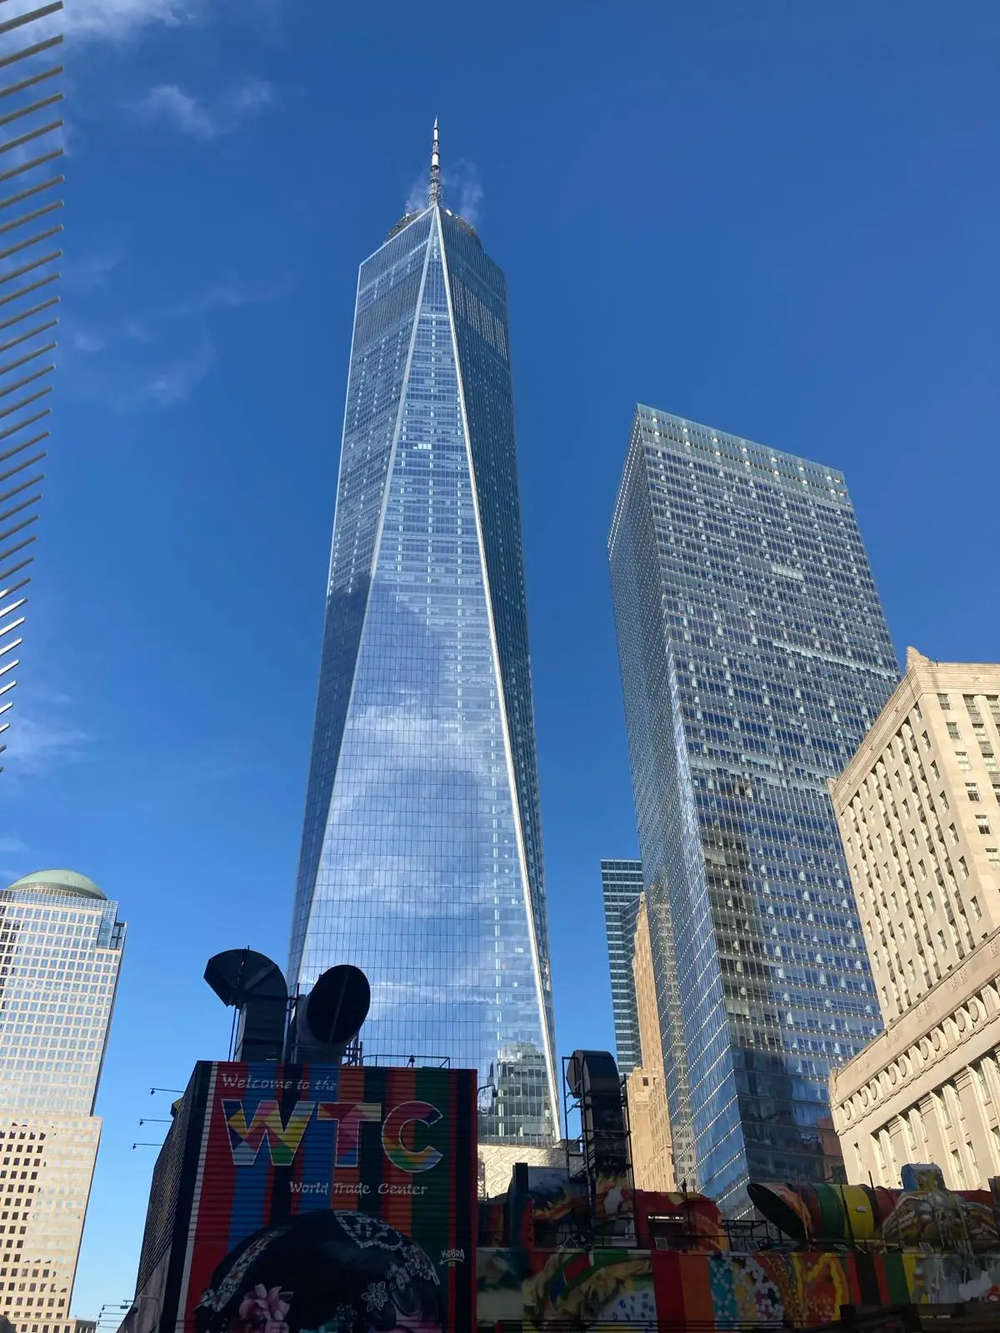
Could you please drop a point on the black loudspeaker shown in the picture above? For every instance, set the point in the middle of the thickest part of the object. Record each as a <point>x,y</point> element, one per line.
<point>594,1080</point>
<point>331,1015</point>
<point>251,983</point>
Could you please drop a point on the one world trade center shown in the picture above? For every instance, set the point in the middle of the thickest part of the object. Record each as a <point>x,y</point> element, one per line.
<point>421,856</point>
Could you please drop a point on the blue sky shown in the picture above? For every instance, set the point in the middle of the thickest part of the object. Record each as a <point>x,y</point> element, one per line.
<point>776,218</point>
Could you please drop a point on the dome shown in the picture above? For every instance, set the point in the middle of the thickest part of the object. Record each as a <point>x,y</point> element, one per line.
<point>68,880</point>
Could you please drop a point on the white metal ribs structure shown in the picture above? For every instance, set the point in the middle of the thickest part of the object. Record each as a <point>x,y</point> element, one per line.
<point>30,211</point>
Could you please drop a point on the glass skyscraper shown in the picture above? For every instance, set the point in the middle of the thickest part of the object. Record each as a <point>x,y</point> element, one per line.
<point>754,657</point>
<point>60,952</point>
<point>621,884</point>
<point>421,855</point>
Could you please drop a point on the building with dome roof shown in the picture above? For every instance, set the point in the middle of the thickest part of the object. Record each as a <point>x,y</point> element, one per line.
<point>60,952</point>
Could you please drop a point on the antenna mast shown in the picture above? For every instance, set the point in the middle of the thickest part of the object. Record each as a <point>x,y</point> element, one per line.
<point>434,185</point>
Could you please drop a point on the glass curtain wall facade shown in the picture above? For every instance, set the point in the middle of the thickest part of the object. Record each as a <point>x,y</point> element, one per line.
<point>421,856</point>
<point>621,882</point>
<point>60,952</point>
<point>754,657</point>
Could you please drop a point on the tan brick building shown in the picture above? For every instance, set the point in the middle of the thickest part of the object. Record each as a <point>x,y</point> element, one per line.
<point>919,812</point>
<point>649,1122</point>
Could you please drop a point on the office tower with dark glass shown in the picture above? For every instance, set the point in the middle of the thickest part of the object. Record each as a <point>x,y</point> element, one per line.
<point>754,657</point>
<point>621,882</point>
<point>60,951</point>
<point>421,857</point>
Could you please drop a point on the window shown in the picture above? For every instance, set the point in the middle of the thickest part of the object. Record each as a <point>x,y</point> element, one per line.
<point>993,856</point>
<point>953,731</point>
<point>956,1161</point>
<point>945,702</point>
<point>963,761</point>
<point>982,824</point>
<point>911,1138</point>
<point>972,791</point>
<point>880,1152</point>
<point>977,911</point>
<point>970,703</point>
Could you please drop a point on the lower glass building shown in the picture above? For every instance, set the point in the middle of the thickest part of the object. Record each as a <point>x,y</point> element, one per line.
<point>621,885</point>
<point>754,657</point>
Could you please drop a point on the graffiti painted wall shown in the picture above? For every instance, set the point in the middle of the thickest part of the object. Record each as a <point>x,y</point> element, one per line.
<point>328,1197</point>
<point>593,1289</point>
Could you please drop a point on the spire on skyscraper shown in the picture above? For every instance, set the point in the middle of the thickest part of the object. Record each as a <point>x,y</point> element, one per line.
<point>434,184</point>
<point>424,736</point>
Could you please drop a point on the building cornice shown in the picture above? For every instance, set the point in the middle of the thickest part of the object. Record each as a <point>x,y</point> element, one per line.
<point>957,1017</point>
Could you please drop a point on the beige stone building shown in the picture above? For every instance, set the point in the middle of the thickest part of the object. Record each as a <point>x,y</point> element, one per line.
<point>649,1123</point>
<point>919,814</point>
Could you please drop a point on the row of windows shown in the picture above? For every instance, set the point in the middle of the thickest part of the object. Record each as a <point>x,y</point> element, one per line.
<point>954,1129</point>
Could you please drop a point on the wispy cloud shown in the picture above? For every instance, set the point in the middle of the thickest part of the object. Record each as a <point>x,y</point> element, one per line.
<point>36,745</point>
<point>155,358</point>
<point>172,383</point>
<point>12,846</point>
<point>88,340</point>
<point>470,192</point>
<point>233,293</point>
<point>123,20</point>
<point>461,191</point>
<point>171,105</point>
<point>93,270</point>
<point>113,19</point>
<point>116,19</point>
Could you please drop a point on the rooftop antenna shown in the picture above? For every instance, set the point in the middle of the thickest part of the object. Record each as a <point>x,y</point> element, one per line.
<point>434,185</point>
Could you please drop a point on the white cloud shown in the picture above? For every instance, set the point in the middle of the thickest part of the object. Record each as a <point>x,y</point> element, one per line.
<point>88,340</point>
<point>94,270</point>
<point>169,104</point>
<point>156,357</point>
<point>107,19</point>
<point>173,382</point>
<point>115,19</point>
<point>34,745</point>
<point>121,20</point>
<point>231,294</point>
<point>416,199</point>
<point>470,193</point>
<point>461,191</point>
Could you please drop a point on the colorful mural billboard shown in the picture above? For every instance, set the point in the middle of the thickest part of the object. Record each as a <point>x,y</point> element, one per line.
<point>539,1291</point>
<point>326,1198</point>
